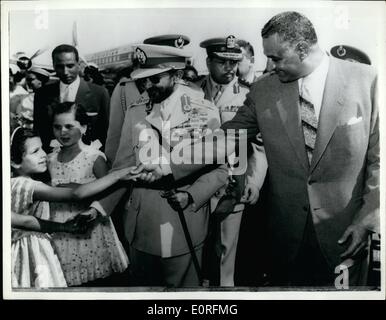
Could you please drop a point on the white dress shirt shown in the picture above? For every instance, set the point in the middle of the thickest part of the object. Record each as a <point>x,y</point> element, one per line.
<point>315,82</point>
<point>72,89</point>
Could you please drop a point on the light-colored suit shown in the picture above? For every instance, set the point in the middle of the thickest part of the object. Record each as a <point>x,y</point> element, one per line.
<point>341,186</point>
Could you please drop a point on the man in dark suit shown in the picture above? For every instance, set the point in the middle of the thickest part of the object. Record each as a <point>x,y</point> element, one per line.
<point>94,98</point>
<point>319,121</point>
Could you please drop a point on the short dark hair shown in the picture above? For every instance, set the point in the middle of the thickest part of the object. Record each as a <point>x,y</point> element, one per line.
<point>67,49</point>
<point>40,77</point>
<point>80,115</point>
<point>18,76</point>
<point>191,68</point>
<point>247,47</point>
<point>19,138</point>
<point>68,106</point>
<point>91,73</point>
<point>291,26</point>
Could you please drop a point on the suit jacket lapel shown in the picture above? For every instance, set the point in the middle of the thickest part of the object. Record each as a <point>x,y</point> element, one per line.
<point>56,92</point>
<point>154,117</point>
<point>288,108</point>
<point>83,93</point>
<point>332,106</point>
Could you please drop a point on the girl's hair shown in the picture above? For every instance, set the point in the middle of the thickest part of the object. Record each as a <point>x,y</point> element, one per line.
<point>80,115</point>
<point>18,139</point>
<point>77,109</point>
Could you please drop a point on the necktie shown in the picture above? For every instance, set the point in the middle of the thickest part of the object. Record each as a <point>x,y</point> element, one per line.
<point>309,121</point>
<point>218,94</point>
<point>66,94</point>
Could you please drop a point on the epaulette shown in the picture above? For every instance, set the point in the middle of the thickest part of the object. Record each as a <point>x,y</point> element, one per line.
<point>193,86</point>
<point>141,100</point>
<point>140,103</point>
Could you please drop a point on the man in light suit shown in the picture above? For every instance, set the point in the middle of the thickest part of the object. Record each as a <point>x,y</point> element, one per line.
<point>319,121</point>
<point>95,99</point>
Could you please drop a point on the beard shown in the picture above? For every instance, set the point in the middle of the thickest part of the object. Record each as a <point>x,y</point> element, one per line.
<point>157,95</point>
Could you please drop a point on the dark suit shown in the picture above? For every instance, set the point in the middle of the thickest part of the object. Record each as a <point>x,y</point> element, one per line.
<point>341,186</point>
<point>94,98</point>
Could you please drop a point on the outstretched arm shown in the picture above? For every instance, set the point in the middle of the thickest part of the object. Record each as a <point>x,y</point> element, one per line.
<point>48,193</point>
<point>21,221</point>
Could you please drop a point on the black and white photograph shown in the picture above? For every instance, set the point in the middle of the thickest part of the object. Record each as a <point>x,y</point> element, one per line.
<point>193,149</point>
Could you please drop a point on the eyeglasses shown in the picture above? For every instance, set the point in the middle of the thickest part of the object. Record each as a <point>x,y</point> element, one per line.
<point>157,77</point>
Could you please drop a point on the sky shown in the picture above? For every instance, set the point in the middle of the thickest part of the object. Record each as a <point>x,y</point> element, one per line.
<point>40,25</point>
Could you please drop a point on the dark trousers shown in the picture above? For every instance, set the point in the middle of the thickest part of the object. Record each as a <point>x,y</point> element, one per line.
<point>151,270</point>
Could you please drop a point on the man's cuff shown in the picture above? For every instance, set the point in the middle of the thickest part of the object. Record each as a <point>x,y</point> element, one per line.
<point>97,206</point>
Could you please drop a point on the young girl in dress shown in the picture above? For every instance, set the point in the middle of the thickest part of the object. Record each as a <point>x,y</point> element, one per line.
<point>99,253</point>
<point>34,262</point>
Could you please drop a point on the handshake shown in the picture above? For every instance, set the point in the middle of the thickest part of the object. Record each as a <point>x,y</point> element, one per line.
<point>144,172</point>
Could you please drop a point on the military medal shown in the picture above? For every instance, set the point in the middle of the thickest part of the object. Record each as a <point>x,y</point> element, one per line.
<point>236,88</point>
<point>185,103</point>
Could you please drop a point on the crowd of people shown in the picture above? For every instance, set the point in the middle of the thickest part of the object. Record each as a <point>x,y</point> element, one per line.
<point>98,200</point>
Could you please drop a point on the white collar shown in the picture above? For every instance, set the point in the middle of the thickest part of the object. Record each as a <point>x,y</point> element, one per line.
<point>215,84</point>
<point>315,82</point>
<point>74,84</point>
<point>250,76</point>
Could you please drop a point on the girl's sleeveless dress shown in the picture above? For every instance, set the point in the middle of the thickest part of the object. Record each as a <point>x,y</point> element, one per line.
<point>98,253</point>
<point>34,261</point>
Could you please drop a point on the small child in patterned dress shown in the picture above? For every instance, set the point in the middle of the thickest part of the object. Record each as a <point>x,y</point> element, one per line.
<point>99,253</point>
<point>34,262</point>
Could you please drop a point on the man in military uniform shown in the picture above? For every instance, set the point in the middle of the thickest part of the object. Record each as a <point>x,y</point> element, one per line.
<point>159,252</point>
<point>132,93</point>
<point>222,87</point>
